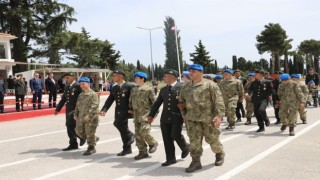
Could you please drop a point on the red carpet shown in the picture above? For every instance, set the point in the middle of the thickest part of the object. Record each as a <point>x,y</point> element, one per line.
<point>11,114</point>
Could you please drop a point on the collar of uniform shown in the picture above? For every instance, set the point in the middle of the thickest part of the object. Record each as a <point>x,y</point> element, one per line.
<point>122,83</point>
<point>143,87</point>
<point>199,83</point>
<point>173,84</point>
<point>72,83</point>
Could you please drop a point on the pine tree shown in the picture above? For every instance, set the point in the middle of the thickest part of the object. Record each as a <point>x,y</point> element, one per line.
<point>201,56</point>
<point>216,68</point>
<point>234,62</point>
<point>138,65</point>
<point>171,61</point>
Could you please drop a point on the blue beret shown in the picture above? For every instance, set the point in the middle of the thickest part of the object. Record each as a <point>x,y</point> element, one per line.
<point>84,79</point>
<point>250,74</point>
<point>140,74</point>
<point>295,76</point>
<point>218,77</point>
<point>186,74</point>
<point>310,82</point>
<point>284,77</point>
<point>228,71</point>
<point>195,67</point>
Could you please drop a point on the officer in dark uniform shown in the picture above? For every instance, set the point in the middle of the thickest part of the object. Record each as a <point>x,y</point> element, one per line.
<point>69,98</point>
<point>240,108</point>
<point>120,93</point>
<point>275,83</point>
<point>261,90</point>
<point>315,77</point>
<point>171,118</point>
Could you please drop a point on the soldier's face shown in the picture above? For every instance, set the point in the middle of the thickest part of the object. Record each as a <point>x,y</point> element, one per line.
<point>85,86</point>
<point>285,81</point>
<point>168,79</point>
<point>138,80</point>
<point>311,72</point>
<point>258,76</point>
<point>237,74</point>
<point>251,78</point>
<point>227,75</point>
<point>69,79</point>
<point>117,77</point>
<point>194,74</point>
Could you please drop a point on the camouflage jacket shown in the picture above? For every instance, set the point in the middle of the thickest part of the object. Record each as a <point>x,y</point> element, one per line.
<point>140,101</point>
<point>305,90</point>
<point>87,106</point>
<point>203,101</point>
<point>290,93</point>
<point>232,90</point>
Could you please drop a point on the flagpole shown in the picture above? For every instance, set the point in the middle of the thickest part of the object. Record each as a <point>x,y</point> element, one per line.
<point>177,52</point>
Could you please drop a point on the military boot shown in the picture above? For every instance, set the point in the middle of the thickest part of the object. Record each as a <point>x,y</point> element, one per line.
<point>195,165</point>
<point>291,131</point>
<point>141,155</point>
<point>304,121</point>
<point>90,150</point>
<point>219,158</point>
<point>283,127</point>
<point>153,148</point>
<point>248,121</point>
<point>277,122</point>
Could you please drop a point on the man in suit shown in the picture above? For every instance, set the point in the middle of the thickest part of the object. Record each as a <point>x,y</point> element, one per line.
<point>2,93</point>
<point>69,98</point>
<point>261,90</point>
<point>51,87</point>
<point>120,94</point>
<point>36,86</point>
<point>20,90</point>
<point>171,118</point>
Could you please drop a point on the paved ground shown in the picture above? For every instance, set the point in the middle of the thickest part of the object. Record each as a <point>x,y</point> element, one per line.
<point>31,149</point>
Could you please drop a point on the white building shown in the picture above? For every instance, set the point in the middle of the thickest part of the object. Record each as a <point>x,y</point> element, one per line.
<point>6,61</point>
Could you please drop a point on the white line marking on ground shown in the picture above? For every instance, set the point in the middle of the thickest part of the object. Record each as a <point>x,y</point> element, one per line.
<point>38,135</point>
<point>265,153</point>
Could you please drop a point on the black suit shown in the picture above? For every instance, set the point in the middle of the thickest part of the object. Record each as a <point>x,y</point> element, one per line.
<point>69,98</point>
<point>240,104</point>
<point>52,88</point>
<point>261,91</point>
<point>276,83</point>
<point>314,77</point>
<point>171,119</point>
<point>121,97</point>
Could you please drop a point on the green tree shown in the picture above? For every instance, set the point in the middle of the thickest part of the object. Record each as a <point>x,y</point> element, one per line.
<point>201,56</point>
<point>171,61</point>
<point>138,65</point>
<point>234,62</point>
<point>273,39</point>
<point>242,63</point>
<point>109,56</point>
<point>311,48</point>
<point>33,20</point>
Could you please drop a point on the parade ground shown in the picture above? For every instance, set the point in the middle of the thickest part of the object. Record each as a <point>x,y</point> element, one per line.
<point>30,148</point>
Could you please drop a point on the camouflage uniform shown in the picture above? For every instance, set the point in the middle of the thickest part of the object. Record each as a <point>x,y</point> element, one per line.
<point>140,101</point>
<point>303,112</point>
<point>249,104</point>
<point>203,102</point>
<point>87,111</point>
<point>290,96</point>
<point>232,92</point>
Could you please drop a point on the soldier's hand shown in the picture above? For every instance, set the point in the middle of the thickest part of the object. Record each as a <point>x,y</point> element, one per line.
<point>277,105</point>
<point>217,122</point>
<point>130,112</point>
<point>102,113</point>
<point>75,118</point>
<point>181,106</point>
<point>56,112</point>
<point>301,106</point>
<point>150,119</point>
<point>247,96</point>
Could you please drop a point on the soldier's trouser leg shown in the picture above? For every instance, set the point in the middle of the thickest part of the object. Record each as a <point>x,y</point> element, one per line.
<point>90,134</point>
<point>39,96</point>
<point>260,112</point>
<point>168,141</point>
<point>230,112</point>
<point>288,114</point>
<point>80,129</point>
<point>238,109</point>
<point>195,133</point>
<point>315,99</point>
<point>276,111</point>
<point>143,137</point>
<point>72,134</point>
<point>54,96</point>
<point>211,134</point>
<point>176,135</point>
<point>1,102</point>
<point>126,134</point>
<point>303,114</point>
<point>249,109</point>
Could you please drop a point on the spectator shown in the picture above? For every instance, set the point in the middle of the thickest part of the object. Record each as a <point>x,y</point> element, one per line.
<point>36,86</point>
<point>100,84</point>
<point>2,93</point>
<point>10,82</point>
<point>312,76</point>
<point>20,90</point>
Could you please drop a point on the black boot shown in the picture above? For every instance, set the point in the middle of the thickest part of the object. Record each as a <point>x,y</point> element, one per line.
<point>283,127</point>
<point>90,150</point>
<point>248,121</point>
<point>195,165</point>
<point>125,152</point>
<point>277,122</point>
<point>141,155</point>
<point>291,131</point>
<point>219,159</point>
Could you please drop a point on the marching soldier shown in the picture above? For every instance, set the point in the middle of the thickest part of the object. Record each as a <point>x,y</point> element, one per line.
<point>217,79</point>
<point>120,94</point>
<point>203,111</point>
<point>86,114</point>
<point>249,104</point>
<point>260,91</point>
<point>171,118</point>
<point>140,101</point>
<point>305,91</point>
<point>232,93</point>
<point>290,95</point>
<point>240,108</point>
<point>275,83</point>
<point>186,77</point>
<point>69,98</point>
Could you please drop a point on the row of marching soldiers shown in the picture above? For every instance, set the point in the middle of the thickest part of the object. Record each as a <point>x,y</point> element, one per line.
<point>289,97</point>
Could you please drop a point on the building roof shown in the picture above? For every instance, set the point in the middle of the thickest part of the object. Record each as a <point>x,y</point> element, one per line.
<point>5,35</point>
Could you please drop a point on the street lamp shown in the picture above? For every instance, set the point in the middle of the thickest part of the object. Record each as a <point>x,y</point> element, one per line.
<point>150,29</point>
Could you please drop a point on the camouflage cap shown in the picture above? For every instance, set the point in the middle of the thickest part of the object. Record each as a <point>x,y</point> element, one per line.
<point>172,72</point>
<point>119,72</point>
<point>69,74</point>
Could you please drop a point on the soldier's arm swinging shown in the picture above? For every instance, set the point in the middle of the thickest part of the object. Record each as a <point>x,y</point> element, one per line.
<point>94,106</point>
<point>155,107</point>
<point>61,104</point>
<point>107,104</point>
<point>218,104</point>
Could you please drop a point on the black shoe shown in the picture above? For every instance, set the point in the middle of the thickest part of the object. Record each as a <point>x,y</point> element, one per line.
<point>82,141</point>
<point>123,153</point>
<point>243,115</point>
<point>278,122</point>
<point>1,111</point>
<point>184,153</point>
<point>97,138</point>
<point>131,140</point>
<point>230,127</point>
<point>141,155</point>
<point>267,122</point>
<point>169,162</point>
<point>34,108</point>
<point>50,105</point>
<point>304,122</point>
<point>239,120</point>
<point>39,107</point>
<point>18,110</point>
<point>69,148</point>
<point>260,130</point>
<point>24,110</point>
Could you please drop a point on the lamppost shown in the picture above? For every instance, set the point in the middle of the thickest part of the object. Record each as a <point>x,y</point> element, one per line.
<point>150,29</point>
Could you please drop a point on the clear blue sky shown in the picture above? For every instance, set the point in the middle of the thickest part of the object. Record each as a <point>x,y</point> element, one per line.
<point>226,27</point>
